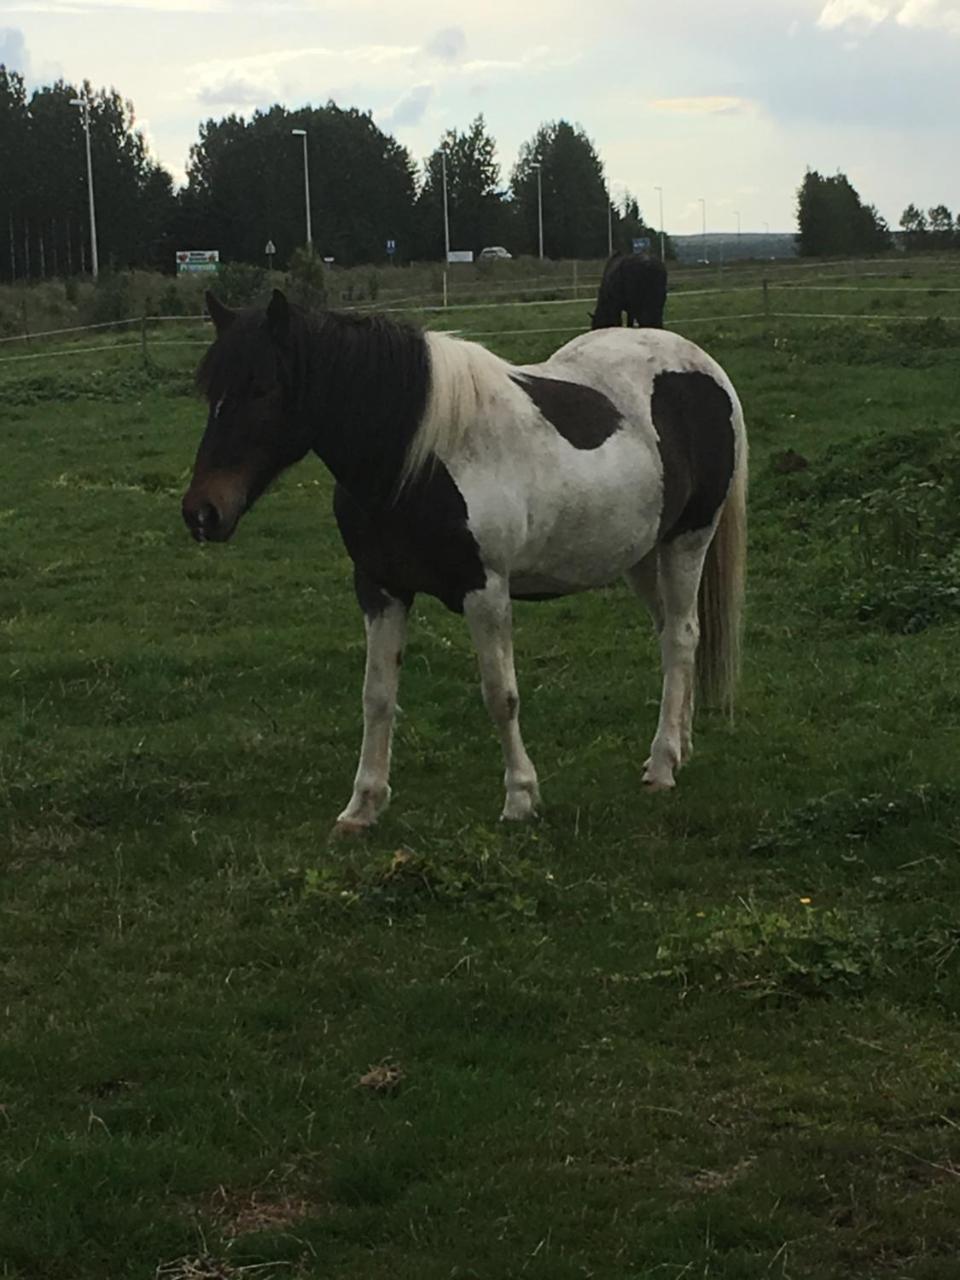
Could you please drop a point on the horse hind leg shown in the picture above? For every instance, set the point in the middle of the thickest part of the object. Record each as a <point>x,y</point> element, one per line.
<point>680,568</point>
<point>488,616</point>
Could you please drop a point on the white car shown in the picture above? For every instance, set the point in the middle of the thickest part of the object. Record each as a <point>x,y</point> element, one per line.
<point>493,251</point>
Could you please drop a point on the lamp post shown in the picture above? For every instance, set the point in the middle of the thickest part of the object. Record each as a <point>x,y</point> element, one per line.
<point>663,256</point>
<point>84,103</point>
<point>446,211</point>
<point>302,133</point>
<point>703,214</point>
<point>539,168</point>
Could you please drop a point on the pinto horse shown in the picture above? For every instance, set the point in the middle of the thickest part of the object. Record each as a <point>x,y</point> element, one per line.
<point>480,482</point>
<point>635,285</point>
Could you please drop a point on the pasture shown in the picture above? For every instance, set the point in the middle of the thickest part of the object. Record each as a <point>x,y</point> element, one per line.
<point>709,1033</point>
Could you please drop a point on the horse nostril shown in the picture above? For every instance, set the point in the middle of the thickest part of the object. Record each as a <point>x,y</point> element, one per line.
<point>203,520</point>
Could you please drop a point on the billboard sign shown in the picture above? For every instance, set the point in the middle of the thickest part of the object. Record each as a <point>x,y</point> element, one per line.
<point>460,255</point>
<point>197,260</point>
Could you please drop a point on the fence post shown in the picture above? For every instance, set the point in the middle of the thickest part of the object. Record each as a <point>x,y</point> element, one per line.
<point>143,340</point>
<point>444,286</point>
<point>26,321</point>
<point>576,292</point>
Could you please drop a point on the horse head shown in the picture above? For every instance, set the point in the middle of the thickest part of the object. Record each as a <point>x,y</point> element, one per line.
<point>249,379</point>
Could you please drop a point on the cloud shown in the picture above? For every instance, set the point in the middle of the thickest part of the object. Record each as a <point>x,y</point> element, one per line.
<point>74,8</point>
<point>256,78</point>
<point>410,109</point>
<point>13,51</point>
<point>931,15</point>
<point>716,105</point>
<point>447,44</point>
<point>237,91</point>
<point>841,13</point>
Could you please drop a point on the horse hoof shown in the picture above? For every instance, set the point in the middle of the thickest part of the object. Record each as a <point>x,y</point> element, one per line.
<point>349,827</point>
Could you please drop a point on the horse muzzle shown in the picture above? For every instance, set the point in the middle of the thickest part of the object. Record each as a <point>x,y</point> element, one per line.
<point>211,517</point>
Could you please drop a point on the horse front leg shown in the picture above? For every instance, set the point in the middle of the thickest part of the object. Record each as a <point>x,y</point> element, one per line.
<point>488,615</point>
<point>385,619</point>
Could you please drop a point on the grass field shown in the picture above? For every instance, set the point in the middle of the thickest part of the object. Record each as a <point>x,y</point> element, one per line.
<point>706,1034</point>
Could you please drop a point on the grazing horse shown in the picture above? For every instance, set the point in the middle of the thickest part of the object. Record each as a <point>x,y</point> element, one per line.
<point>635,285</point>
<point>480,482</point>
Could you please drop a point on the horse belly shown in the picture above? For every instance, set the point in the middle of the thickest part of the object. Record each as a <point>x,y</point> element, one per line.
<point>568,520</point>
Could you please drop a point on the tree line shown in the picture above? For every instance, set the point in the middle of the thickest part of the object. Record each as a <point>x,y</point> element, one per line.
<point>245,187</point>
<point>834,221</point>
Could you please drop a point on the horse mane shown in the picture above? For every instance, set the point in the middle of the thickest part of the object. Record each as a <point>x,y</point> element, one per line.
<point>464,378</point>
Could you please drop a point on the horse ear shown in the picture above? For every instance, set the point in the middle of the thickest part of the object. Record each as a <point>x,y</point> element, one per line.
<point>278,315</point>
<point>221,316</point>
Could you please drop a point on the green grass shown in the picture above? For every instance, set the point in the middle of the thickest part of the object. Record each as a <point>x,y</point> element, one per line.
<point>708,1034</point>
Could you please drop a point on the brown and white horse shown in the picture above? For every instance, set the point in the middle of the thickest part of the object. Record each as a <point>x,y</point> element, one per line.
<point>480,482</point>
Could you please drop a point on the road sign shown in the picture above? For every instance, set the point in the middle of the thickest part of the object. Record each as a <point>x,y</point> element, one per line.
<point>197,260</point>
<point>271,249</point>
<point>460,255</point>
<point>391,247</point>
<point>641,244</point>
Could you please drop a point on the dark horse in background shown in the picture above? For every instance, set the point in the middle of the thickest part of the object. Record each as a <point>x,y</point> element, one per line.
<point>635,285</point>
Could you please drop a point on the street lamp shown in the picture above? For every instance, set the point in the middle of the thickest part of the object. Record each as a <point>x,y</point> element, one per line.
<point>446,212</point>
<point>302,133</point>
<point>663,256</point>
<point>536,165</point>
<point>94,258</point>
<point>703,213</point>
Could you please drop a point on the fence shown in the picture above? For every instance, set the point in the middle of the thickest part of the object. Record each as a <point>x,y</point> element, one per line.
<point>764,290</point>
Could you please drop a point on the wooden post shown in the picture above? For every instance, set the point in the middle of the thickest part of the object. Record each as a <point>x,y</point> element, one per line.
<point>143,340</point>
<point>444,286</point>
<point>576,292</point>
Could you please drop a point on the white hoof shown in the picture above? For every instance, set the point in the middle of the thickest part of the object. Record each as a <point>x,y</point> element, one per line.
<point>521,805</point>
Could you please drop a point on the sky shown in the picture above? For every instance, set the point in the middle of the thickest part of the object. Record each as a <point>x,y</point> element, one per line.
<point>728,103</point>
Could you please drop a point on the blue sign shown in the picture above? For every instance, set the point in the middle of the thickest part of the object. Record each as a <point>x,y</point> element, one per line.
<point>391,247</point>
<point>641,244</point>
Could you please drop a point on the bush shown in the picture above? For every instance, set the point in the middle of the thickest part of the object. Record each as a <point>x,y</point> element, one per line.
<point>239,284</point>
<point>306,279</point>
<point>111,298</point>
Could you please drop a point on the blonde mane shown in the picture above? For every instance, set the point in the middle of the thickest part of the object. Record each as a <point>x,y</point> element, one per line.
<point>464,379</point>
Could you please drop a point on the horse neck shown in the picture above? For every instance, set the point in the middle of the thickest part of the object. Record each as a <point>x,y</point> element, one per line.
<point>366,394</point>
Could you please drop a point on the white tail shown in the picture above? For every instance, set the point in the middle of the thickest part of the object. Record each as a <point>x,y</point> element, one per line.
<point>720,603</point>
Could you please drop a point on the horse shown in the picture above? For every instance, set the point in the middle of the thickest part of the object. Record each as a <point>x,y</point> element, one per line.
<point>482,483</point>
<point>635,285</point>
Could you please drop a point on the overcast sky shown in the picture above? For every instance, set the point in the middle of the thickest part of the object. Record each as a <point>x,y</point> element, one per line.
<point>727,101</point>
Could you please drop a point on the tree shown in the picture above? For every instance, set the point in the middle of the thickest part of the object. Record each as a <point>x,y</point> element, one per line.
<point>941,226</point>
<point>629,225</point>
<point>14,148</point>
<point>833,220</point>
<point>913,223</point>
<point>575,197</point>
<point>44,215</point>
<point>245,184</point>
<point>474,200</point>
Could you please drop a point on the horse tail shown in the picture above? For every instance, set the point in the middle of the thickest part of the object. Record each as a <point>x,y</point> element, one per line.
<point>720,602</point>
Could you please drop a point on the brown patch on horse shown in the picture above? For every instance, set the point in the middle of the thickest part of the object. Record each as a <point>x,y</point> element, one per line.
<point>693,417</point>
<point>584,417</point>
